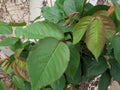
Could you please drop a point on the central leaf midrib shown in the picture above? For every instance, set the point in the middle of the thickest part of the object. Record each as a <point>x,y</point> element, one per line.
<point>50,56</point>
<point>96,33</point>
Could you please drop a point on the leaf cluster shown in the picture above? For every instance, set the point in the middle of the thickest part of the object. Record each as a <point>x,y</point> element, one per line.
<point>74,44</point>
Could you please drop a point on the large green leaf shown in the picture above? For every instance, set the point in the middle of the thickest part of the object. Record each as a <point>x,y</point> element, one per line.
<point>71,6</point>
<point>9,41</point>
<point>47,62</point>
<point>74,61</point>
<point>95,68</point>
<point>116,47</point>
<point>52,14</point>
<point>59,84</point>
<point>117,9</point>
<point>41,30</point>
<point>115,70</point>
<point>5,28</point>
<point>105,81</point>
<point>95,37</point>
<point>2,85</point>
<point>80,28</point>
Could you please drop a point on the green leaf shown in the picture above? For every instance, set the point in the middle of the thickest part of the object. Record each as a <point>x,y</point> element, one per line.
<point>95,37</point>
<point>9,41</point>
<point>41,30</point>
<point>59,2</point>
<point>97,8</point>
<point>5,28</point>
<point>77,77</point>
<point>105,81</point>
<point>80,28</point>
<point>18,82</point>
<point>96,68</point>
<point>86,62</point>
<point>26,87</point>
<point>74,61</point>
<point>117,9</point>
<point>79,5</point>
<point>87,7</point>
<point>59,84</point>
<point>71,6</point>
<point>48,60</point>
<point>115,69</point>
<point>19,31</point>
<point>116,47</point>
<point>17,45</point>
<point>52,14</point>
<point>116,22</point>
<point>2,85</point>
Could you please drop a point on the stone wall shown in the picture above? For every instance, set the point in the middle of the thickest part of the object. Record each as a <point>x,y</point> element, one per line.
<point>14,10</point>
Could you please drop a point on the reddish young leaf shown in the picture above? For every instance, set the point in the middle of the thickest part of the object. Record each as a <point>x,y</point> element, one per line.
<point>95,37</point>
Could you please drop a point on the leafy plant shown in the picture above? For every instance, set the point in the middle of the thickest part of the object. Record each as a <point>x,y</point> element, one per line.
<point>74,44</point>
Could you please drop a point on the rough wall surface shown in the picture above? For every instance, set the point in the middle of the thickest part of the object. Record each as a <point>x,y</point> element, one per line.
<point>14,10</point>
